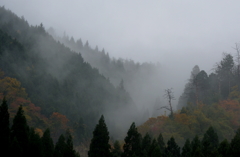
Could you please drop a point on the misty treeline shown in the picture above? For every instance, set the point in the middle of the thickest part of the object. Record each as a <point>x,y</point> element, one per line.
<point>57,79</point>
<point>137,146</point>
<point>208,89</point>
<point>22,140</point>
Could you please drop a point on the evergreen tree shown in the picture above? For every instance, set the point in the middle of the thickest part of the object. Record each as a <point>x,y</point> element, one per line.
<point>47,144</point>
<point>146,143</point>
<point>154,149</point>
<point>70,152</point>
<point>35,148</point>
<point>210,142</point>
<point>60,147</point>
<point>186,150</point>
<point>20,131</point>
<point>235,145</point>
<point>99,146</point>
<point>223,148</point>
<point>161,144</point>
<point>4,127</point>
<point>172,148</point>
<point>132,144</point>
<point>196,147</point>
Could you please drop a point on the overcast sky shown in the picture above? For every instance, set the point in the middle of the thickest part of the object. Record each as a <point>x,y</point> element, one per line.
<point>182,33</point>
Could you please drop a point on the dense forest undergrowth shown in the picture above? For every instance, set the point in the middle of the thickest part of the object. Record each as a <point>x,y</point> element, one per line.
<point>58,91</point>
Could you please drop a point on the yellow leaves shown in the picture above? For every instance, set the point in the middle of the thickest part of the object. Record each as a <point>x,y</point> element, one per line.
<point>11,88</point>
<point>235,93</point>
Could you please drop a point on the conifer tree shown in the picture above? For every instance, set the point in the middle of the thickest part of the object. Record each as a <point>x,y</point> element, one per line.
<point>69,152</point>
<point>47,144</point>
<point>146,143</point>
<point>210,142</point>
<point>186,150</point>
<point>196,147</point>
<point>132,144</point>
<point>20,131</point>
<point>161,144</point>
<point>4,127</point>
<point>223,148</point>
<point>172,148</point>
<point>60,147</point>
<point>235,145</point>
<point>35,148</point>
<point>99,146</point>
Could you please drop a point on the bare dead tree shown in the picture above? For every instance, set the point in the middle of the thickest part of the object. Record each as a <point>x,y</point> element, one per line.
<point>169,96</point>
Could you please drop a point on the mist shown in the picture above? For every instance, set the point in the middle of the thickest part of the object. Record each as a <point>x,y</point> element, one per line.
<point>172,36</point>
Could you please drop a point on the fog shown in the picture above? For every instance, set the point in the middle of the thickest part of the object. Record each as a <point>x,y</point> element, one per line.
<point>176,34</point>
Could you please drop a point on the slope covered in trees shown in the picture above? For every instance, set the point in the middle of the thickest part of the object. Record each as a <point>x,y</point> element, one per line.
<point>57,79</point>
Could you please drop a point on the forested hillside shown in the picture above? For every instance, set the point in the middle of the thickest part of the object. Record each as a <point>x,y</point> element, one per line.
<point>143,81</point>
<point>57,79</point>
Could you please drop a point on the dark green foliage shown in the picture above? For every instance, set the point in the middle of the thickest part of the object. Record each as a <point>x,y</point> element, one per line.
<point>132,144</point>
<point>210,142</point>
<point>146,143</point>
<point>99,144</point>
<point>116,152</point>
<point>4,127</point>
<point>223,148</point>
<point>161,144</point>
<point>35,144</point>
<point>154,149</point>
<point>20,131</point>
<point>172,149</point>
<point>69,152</point>
<point>235,145</point>
<point>60,147</point>
<point>47,144</point>
<point>196,147</point>
<point>186,150</point>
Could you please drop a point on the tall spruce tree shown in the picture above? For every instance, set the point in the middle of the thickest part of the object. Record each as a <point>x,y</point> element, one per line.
<point>186,150</point>
<point>132,144</point>
<point>161,144</point>
<point>99,146</point>
<point>20,132</point>
<point>172,149</point>
<point>210,142</point>
<point>47,144</point>
<point>4,127</point>
<point>235,145</point>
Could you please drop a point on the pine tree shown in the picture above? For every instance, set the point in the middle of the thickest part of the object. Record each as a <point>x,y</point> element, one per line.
<point>161,144</point>
<point>223,148</point>
<point>35,148</point>
<point>146,143</point>
<point>99,146</point>
<point>235,145</point>
<point>20,131</point>
<point>132,144</point>
<point>70,152</point>
<point>47,144</point>
<point>196,147</point>
<point>4,127</point>
<point>60,147</point>
<point>210,142</point>
<point>172,148</point>
<point>186,150</point>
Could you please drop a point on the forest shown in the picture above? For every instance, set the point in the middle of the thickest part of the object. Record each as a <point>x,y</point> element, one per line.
<point>57,93</point>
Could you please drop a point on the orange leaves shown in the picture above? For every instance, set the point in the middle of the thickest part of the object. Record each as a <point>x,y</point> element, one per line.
<point>182,119</point>
<point>59,124</point>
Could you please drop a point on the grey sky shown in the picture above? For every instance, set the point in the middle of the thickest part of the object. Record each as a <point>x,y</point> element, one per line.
<point>177,32</point>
